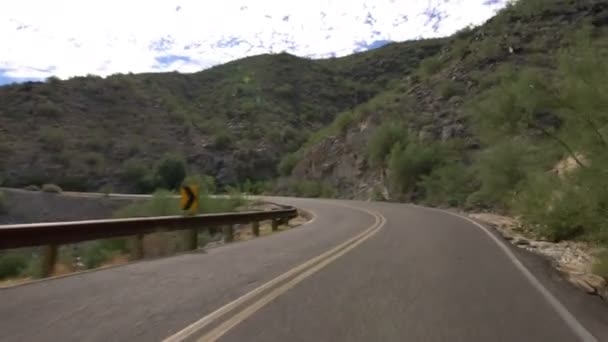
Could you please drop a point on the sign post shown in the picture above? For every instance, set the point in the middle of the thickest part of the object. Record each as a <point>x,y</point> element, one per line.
<point>189,202</point>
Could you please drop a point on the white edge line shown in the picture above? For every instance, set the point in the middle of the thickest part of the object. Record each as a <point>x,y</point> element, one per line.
<point>563,312</point>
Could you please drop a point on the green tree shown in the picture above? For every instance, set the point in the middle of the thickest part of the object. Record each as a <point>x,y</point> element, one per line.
<point>408,163</point>
<point>382,141</point>
<point>170,171</point>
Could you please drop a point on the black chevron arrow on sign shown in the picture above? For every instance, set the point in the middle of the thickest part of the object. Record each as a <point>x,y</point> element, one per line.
<point>189,199</point>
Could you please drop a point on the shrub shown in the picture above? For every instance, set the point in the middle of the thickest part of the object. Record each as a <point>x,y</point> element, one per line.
<point>161,203</point>
<point>101,251</point>
<point>449,184</point>
<point>288,163</point>
<point>600,266</point>
<point>51,188</point>
<point>48,109</point>
<point>222,140</point>
<point>311,189</point>
<point>500,170</point>
<point>448,89</point>
<point>32,187</point>
<point>206,184</point>
<point>3,203</point>
<point>53,139</point>
<point>170,171</point>
<point>93,159</point>
<point>430,66</point>
<point>344,120</point>
<point>383,139</point>
<point>409,162</point>
<point>12,264</point>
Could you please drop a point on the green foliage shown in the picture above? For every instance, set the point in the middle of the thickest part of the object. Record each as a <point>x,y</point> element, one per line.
<point>344,120</point>
<point>500,170</point>
<point>311,189</point>
<point>288,163</point>
<point>447,89</point>
<point>135,173</point>
<point>101,251</point>
<point>3,203</point>
<point>51,188</point>
<point>382,141</point>
<point>488,49</point>
<point>170,171</point>
<point>408,163</point>
<point>52,139</point>
<point>48,109</point>
<point>93,160</point>
<point>601,265</point>
<point>449,185</point>
<point>430,66</point>
<point>223,140</point>
<point>206,184</point>
<point>162,203</point>
<point>12,264</point>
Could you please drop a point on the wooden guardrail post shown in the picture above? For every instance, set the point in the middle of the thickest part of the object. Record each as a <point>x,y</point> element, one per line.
<point>137,252</point>
<point>255,227</point>
<point>275,225</point>
<point>49,258</point>
<point>192,239</point>
<point>228,232</point>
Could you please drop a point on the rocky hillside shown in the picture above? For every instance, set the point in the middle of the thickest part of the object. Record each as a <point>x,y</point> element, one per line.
<point>437,102</point>
<point>234,121</point>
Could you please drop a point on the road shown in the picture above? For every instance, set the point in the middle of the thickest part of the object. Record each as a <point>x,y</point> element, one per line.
<point>359,271</point>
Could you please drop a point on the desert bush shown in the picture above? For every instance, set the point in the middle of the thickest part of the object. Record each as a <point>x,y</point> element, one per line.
<point>3,203</point>
<point>206,184</point>
<point>53,139</point>
<point>500,170</point>
<point>449,184</point>
<point>48,109</point>
<point>430,66</point>
<point>100,251</point>
<point>407,163</point>
<point>383,139</point>
<point>93,159</point>
<point>32,187</point>
<point>311,189</point>
<point>600,266</point>
<point>447,89</point>
<point>223,140</point>
<point>288,163</point>
<point>12,264</point>
<point>51,188</point>
<point>170,171</point>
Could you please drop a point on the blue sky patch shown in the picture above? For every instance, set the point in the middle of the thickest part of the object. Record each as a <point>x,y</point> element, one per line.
<point>168,59</point>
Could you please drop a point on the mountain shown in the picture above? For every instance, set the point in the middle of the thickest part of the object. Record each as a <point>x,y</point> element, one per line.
<point>234,121</point>
<point>495,110</point>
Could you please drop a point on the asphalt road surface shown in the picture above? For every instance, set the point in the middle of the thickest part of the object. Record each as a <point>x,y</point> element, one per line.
<point>358,272</point>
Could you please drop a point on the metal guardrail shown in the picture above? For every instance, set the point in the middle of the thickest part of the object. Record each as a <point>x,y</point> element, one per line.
<point>53,234</point>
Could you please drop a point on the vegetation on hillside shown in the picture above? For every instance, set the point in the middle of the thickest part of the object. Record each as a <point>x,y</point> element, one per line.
<point>233,122</point>
<point>510,116</point>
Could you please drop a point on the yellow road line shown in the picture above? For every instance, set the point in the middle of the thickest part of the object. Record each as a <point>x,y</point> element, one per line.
<point>222,329</point>
<point>208,319</point>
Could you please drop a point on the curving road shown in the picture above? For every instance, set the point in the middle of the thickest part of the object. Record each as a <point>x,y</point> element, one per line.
<point>359,271</point>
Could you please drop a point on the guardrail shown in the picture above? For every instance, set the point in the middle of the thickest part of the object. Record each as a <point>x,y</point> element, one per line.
<point>53,234</point>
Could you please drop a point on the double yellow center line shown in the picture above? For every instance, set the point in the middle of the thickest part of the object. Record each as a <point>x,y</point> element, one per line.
<point>276,287</point>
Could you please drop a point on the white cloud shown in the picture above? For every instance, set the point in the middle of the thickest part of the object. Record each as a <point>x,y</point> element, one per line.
<point>74,37</point>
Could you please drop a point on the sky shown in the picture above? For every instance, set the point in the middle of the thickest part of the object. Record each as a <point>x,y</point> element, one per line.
<point>66,38</point>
